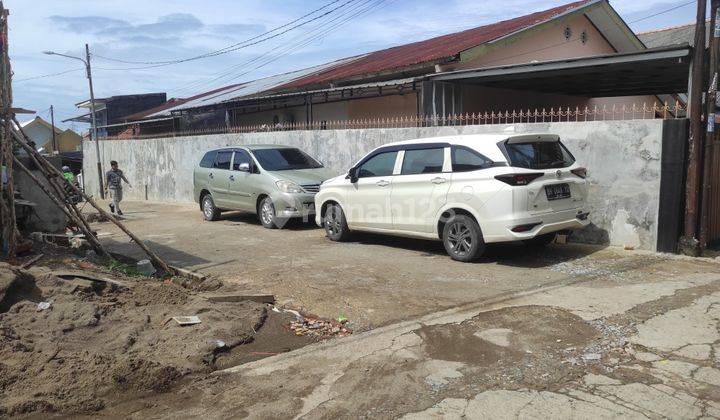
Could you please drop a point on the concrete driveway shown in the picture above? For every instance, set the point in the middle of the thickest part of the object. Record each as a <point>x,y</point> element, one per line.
<point>374,280</point>
<point>567,332</point>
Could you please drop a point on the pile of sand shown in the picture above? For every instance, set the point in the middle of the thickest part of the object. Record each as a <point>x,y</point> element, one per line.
<point>100,342</point>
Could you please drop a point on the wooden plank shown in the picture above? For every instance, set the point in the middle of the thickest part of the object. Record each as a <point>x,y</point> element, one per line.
<point>240,298</point>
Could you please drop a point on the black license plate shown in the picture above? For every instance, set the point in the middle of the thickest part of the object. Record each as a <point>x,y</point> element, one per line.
<point>557,191</point>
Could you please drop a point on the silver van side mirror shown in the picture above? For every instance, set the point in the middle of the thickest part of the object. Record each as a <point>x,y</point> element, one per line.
<point>244,167</point>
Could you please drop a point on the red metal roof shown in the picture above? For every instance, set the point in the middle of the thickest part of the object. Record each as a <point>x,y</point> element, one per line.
<point>431,50</point>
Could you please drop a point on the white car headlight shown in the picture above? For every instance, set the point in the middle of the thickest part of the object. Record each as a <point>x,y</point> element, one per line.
<point>289,187</point>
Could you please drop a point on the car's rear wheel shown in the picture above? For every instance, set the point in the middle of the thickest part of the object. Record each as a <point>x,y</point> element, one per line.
<point>335,224</point>
<point>210,212</point>
<point>541,240</point>
<point>463,239</point>
<point>266,213</point>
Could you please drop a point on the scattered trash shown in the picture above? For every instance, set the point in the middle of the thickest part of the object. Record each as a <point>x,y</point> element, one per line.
<point>342,319</point>
<point>591,356</point>
<point>217,343</point>
<point>318,327</point>
<point>275,309</point>
<point>44,305</point>
<point>298,317</point>
<point>145,268</point>
<point>187,320</point>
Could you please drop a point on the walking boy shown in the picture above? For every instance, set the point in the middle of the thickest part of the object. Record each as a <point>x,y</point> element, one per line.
<point>113,182</point>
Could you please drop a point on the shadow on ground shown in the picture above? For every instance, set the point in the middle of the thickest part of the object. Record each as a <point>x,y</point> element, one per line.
<point>243,218</point>
<point>514,254</point>
<point>171,255</point>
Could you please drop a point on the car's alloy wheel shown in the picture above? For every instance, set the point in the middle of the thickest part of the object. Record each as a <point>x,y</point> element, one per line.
<point>210,212</point>
<point>462,238</point>
<point>267,213</point>
<point>335,224</point>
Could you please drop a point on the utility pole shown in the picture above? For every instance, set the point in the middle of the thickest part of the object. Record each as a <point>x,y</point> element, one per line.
<point>93,119</point>
<point>712,136</point>
<point>52,123</point>
<point>94,122</point>
<point>689,243</point>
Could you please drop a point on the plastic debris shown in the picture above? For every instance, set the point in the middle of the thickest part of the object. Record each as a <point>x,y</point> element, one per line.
<point>187,320</point>
<point>591,356</point>
<point>319,328</point>
<point>217,343</point>
<point>44,305</point>
<point>342,319</point>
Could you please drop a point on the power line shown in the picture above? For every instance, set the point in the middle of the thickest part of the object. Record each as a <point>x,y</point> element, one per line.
<point>42,76</point>
<point>297,43</point>
<point>663,11</point>
<point>244,44</point>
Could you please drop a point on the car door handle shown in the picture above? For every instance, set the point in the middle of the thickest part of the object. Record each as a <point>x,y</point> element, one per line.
<point>439,180</point>
<point>211,176</point>
<point>232,177</point>
<point>382,183</point>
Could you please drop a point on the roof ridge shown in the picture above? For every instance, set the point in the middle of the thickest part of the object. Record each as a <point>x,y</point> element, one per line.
<point>669,28</point>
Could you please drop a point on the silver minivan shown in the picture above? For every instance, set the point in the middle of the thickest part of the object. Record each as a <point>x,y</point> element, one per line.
<point>275,182</point>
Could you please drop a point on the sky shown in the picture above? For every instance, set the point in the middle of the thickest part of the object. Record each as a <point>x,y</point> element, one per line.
<point>151,31</point>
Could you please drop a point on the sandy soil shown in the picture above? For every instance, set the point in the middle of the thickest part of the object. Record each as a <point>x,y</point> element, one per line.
<point>100,343</point>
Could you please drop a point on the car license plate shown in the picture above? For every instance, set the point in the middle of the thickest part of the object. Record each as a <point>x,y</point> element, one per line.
<point>557,191</point>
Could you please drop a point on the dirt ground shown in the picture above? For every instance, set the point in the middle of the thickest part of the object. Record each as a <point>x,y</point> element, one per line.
<point>373,280</point>
<point>71,345</point>
<point>570,331</point>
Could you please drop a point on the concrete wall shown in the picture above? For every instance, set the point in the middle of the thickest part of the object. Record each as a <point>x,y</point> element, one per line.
<point>623,159</point>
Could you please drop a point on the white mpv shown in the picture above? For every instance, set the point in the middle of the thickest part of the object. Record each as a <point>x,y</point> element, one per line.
<point>464,190</point>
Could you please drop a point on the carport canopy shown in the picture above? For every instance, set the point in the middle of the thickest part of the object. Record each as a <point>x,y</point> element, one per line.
<point>649,72</point>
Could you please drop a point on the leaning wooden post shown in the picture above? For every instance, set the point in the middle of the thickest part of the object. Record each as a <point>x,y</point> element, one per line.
<point>53,171</point>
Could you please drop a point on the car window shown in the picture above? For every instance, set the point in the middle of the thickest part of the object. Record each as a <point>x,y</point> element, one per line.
<point>379,165</point>
<point>208,160</point>
<point>466,160</point>
<point>241,156</point>
<point>284,159</point>
<point>223,160</point>
<point>423,161</point>
<point>539,155</point>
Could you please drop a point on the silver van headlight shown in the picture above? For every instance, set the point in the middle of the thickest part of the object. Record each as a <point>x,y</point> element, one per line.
<point>289,187</point>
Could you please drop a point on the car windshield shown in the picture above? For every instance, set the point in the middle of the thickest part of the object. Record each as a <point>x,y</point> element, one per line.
<point>539,155</point>
<point>285,159</point>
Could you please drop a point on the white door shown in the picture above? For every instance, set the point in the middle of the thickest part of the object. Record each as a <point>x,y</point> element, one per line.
<point>420,189</point>
<point>368,200</point>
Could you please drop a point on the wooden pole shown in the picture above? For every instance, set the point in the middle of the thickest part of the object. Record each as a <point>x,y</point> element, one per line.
<point>8,190</point>
<point>52,124</point>
<point>712,131</point>
<point>689,242</point>
<point>52,172</point>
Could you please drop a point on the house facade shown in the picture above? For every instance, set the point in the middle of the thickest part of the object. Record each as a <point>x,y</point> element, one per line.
<point>41,133</point>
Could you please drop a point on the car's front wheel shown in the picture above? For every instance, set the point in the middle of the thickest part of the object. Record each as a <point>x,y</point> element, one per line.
<point>334,222</point>
<point>266,213</point>
<point>463,239</point>
<point>210,212</point>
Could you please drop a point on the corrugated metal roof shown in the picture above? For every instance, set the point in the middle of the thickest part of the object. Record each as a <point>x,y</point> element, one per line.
<point>684,34</point>
<point>429,51</point>
<point>254,87</point>
<point>434,49</point>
